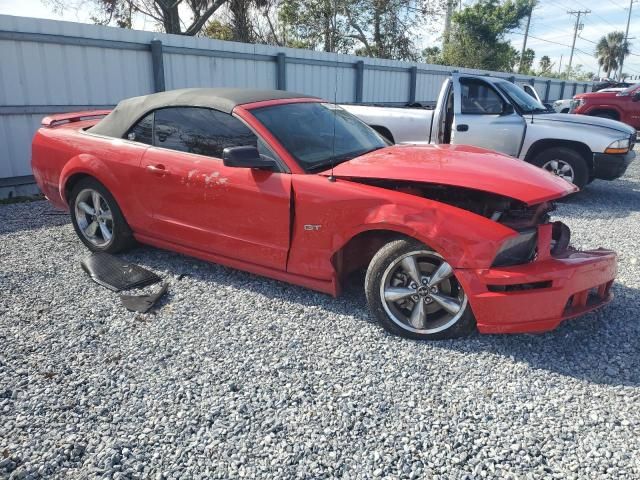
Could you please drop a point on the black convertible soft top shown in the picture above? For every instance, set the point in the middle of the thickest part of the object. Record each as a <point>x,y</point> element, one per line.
<point>129,111</point>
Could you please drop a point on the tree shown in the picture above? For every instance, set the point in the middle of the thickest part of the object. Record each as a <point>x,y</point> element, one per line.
<point>610,50</point>
<point>375,28</point>
<point>477,37</point>
<point>545,65</point>
<point>432,55</point>
<point>527,61</point>
<point>182,17</point>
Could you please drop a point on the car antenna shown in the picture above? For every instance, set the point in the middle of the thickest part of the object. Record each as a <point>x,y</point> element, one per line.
<point>332,178</point>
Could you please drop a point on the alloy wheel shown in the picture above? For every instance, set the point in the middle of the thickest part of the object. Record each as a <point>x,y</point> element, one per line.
<point>420,293</point>
<point>560,168</point>
<point>94,217</point>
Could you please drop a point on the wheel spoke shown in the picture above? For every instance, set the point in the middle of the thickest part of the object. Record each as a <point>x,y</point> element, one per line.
<point>450,304</point>
<point>553,164</point>
<point>106,234</point>
<point>106,215</point>
<point>393,294</point>
<point>410,266</point>
<point>565,168</point>
<point>86,208</point>
<point>443,272</point>
<point>419,316</point>
<point>95,199</point>
<point>91,229</point>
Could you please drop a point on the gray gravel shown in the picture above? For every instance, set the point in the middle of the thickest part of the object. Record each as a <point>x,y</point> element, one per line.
<point>240,376</point>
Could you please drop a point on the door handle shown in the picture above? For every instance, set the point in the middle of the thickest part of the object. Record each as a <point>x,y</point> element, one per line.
<point>463,127</point>
<point>157,169</point>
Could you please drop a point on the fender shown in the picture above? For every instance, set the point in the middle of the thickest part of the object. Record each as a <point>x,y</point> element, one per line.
<point>604,106</point>
<point>463,238</point>
<point>348,208</point>
<point>87,164</point>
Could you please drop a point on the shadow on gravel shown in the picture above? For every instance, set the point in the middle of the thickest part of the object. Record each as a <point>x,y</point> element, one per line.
<point>30,216</point>
<point>600,347</point>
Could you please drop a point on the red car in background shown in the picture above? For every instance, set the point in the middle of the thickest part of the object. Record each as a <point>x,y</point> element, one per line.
<point>452,238</point>
<point>623,106</point>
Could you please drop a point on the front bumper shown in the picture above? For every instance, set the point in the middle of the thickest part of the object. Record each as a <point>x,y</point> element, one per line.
<point>538,296</point>
<point>610,167</point>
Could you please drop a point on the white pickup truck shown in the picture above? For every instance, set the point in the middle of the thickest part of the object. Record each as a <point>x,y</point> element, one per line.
<point>496,114</point>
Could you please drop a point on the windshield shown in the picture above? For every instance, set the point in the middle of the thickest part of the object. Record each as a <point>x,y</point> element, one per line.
<point>525,102</point>
<point>319,135</point>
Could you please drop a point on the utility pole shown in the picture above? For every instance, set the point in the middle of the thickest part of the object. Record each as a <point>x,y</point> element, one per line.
<point>526,34</point>
<point>560,66</point>
<point>447,22</point>
<point>626,37</point>
<point>575,31</point>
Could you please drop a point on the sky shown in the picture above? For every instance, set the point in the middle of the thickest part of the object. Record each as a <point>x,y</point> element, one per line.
<point>550,33</point>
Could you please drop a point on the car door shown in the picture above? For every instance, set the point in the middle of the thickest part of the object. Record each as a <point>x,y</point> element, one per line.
<point>200,203</point>
<point>484,118</point>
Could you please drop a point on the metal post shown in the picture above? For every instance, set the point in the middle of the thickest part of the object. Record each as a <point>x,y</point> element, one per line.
<point>157,64</point>
<point>532,82</point>
<point>413,81</point>
<point>575,87</point>
<point>626,37</point>
<point>281,72</point>
<point>359,66</point>
<point>562,90</point>
<point>546,91</point>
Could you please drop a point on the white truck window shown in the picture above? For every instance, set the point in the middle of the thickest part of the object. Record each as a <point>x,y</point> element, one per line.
<point>478,98</point>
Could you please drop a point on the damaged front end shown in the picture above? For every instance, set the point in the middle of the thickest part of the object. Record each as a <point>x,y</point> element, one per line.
<point>536,279</point>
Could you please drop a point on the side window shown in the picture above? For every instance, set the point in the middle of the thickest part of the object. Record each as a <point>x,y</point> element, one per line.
<point>478,98</point>
<point>200,130</point>
<point>142,131</point>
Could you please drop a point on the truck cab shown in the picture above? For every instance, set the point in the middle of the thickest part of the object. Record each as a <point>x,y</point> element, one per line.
<point>621,105</point>
<point>496,114</point>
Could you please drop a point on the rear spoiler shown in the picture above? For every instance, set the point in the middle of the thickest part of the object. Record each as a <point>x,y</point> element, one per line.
<point>62,118</point>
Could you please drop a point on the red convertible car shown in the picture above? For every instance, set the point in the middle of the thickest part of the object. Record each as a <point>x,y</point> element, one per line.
<point>453,238</point>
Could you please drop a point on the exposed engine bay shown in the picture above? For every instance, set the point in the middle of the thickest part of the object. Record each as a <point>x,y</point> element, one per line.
<point>509,212</point>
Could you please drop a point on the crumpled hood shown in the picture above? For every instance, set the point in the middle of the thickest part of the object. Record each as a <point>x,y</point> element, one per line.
<point>460,166</point>
<point>583,120</point>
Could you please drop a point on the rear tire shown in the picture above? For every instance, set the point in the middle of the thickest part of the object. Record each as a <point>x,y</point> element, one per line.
<point>564,162</point>
<point>97,218</point>
<point>433,306</point>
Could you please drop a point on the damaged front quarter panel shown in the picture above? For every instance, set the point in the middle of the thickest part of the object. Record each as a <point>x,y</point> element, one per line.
<point>347,208</point>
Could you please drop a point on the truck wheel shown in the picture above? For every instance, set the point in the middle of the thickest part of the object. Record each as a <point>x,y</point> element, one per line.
<point>412,292</point>
<point>565,163</point>
<point>97,218</point>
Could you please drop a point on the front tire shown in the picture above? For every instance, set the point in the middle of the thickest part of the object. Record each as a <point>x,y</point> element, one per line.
<point>565,163</point>
<point>413,292</point>
<point>97,218</point>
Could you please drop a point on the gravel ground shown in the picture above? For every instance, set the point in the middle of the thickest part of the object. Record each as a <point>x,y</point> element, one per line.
<point>240,376</point>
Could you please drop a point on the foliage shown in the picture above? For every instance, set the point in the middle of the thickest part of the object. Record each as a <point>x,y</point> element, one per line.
<point>218,30</point>
<point>432,55</point>
<point>527,62</point>
<point>183,17</point>
<point>477,38</point>
<point>545,66</point>
<point>375,28</point>
<point>610,50</point>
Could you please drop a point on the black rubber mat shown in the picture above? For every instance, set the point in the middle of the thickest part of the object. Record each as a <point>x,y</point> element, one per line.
<point>142,303</point>
<point>116,274</point>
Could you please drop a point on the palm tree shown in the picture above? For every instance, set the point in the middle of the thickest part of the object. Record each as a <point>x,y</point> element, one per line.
<point>610,50</point>
<point>545,65</point>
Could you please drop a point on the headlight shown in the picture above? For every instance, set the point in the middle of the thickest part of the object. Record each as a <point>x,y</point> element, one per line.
<point>517,250</point>
<point>619,146</point>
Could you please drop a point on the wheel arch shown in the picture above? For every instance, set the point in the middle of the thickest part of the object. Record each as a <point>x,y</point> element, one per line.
<point>85,166</point>
<point>607,110</point>
<point>359,250</point>
<point>541,145</point>
<point>384,131</point>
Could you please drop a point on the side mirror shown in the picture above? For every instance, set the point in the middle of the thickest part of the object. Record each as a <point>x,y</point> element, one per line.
<point>246,157</point>
<point>507,109</point>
